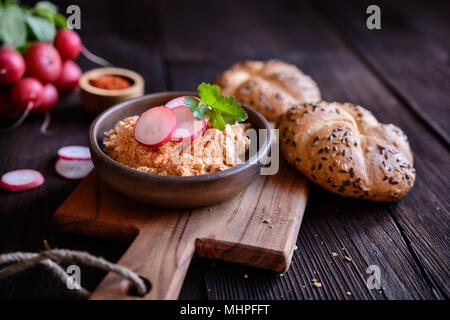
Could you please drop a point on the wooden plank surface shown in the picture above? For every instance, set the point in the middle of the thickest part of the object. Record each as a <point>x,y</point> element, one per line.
<point>409,54</point>
<point>338,82</point>
<point>408,240</point>
<point>232,231</point>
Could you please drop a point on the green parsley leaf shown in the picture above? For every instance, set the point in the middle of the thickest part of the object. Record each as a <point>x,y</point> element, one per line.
<point>220,110</point>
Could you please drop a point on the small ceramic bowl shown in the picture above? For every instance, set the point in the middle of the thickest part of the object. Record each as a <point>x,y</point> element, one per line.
<point>172,191</point>
<point>95,100</point>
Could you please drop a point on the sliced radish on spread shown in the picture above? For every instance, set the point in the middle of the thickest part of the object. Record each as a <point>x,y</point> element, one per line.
<point>20,180</point>
<point>178,101</point>
<point>73,169</point>
<point>188,127</point>
<point>74,153</point>
<point>155,126</point>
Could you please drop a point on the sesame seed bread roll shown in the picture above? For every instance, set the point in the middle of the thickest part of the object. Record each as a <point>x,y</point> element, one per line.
<point>344,149</point>
<point>271,87</point>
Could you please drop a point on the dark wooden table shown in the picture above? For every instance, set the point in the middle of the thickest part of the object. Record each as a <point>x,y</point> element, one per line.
<point>401,73</point>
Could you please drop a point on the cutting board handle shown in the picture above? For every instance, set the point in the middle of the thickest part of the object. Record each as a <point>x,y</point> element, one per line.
<point>159,254</point>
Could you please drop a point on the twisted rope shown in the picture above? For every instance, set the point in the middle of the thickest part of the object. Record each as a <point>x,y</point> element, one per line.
<point>51,259</point>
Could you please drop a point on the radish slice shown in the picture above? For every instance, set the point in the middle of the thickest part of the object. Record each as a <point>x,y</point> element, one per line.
<point>178,101</point>
<point>188,127</point>
<point>74,153</point>
<point>20,180</point>
<point>155,127</point>
<point>73,169</point>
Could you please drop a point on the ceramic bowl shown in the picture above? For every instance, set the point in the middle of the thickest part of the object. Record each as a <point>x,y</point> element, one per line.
<point>173,191</point>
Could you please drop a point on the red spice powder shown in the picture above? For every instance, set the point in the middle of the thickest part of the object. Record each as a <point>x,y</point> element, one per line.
<point>110,82</point>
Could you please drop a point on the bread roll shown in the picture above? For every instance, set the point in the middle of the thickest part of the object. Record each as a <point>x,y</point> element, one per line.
<point>344,149</point>
<point>270,87</point>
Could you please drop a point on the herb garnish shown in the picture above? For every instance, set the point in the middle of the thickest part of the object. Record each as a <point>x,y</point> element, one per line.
<point>20,26</point>
<point>220,110</point>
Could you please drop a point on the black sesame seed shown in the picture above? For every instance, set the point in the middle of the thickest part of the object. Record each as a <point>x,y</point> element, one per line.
<point>393,181</point>
<point>324,158</point>
<point>331,168</point>
<point>320,165</point>
<point>385,178</point>
<point>320,151</point>
<point>352,172</point>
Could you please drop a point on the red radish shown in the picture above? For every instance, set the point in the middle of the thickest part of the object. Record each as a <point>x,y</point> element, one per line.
<point>178,101</point>
<point>43,62</point>
<point>20,180</point>
<point>155,127</point>
<point>68,81</point>
<point>12,66</point>
<point>188,127</point>
<point>73,169</point>
<point>27,93</point>
<point>74,153</point>
<point>49,99</point>
<point>68,44</point>
<point>7,109</point>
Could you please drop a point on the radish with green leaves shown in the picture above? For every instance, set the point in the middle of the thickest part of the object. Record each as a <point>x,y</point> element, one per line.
<point>7,109</point>
<point>68,43</point>
<point>43,62</point>
<point>27,93</point>
<point>49,99</point>
<point>68,80</point>
<point>12,66</point>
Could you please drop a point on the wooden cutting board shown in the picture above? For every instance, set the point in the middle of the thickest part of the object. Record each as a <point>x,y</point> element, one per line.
<point>258,227</point>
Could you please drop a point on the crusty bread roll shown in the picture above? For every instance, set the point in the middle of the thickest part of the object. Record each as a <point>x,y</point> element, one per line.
<point>344,149</point>
<point>270,87</point>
